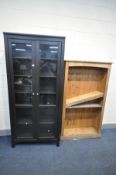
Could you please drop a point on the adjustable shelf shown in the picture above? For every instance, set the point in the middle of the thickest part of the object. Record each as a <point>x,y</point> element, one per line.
<point>85,89</point>
<point>47,76</point>
<point>47,122</point>
<point>25,58</point>
<point>23,105</point>
<point>49,59</point>
<point>23,92</point>
<point>24,121</point>
<point>85,106</point>
<point>22,75</point>
<point>47,105</point>
<point>47,92</point>
<point>83,98</point>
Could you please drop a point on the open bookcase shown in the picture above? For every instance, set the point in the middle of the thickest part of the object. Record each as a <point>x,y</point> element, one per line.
<point>85,89</point>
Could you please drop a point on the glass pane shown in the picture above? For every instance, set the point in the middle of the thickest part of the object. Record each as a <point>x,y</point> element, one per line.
<point>48,51</point>
<point>24,115</point>
<point>23,98</point>
<point>22,58</point>
<point>23,84</point>
<point>47,99</point>
<point>48,72</point>
<point>46,130</point>
<point>24,131</point>
<point>47,85</point>
<point>21,50</point>
<point>22,67</point>
<point>47,114</point>
<point>47,68</point>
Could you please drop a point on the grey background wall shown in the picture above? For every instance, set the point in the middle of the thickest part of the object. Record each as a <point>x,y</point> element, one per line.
<point>89,27</point>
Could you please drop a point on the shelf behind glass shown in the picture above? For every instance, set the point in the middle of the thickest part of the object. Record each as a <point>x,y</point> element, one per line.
<point>49,51</point>
<point>22,66</point>
<point>48,68</point>
<point>23,115</point>
<point>47,114</point>
<point>24,131</point>
<point>24,121</point>
<point>47,99</point>
<point>23,105</point>
<point>47,76</point>
<point>22,75</point>
<point>25,58</point>
<point>47,92</point>
<point>46,121</point>
<point>47,84</point>
<point>23,84</point>
<point>45,105</point>
<point>23,92</point>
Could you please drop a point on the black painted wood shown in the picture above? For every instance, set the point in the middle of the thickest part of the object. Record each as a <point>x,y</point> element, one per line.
<point>40,120</point>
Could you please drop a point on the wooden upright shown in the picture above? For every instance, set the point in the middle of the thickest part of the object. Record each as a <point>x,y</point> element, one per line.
<point>85,89</point>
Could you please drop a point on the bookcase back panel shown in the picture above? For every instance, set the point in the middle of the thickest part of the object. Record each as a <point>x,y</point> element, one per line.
<point>81,118</point>
<point>84,80</point>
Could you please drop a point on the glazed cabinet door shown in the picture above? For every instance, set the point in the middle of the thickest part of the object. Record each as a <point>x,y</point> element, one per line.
<point>22,63</point>
<point>48,60</point>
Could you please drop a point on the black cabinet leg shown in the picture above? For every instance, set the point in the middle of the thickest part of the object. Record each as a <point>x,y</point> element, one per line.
<point>58,143</point>
<point>13,144</point>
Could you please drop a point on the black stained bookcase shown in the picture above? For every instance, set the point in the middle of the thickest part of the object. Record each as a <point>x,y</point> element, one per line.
<point>35,83</point>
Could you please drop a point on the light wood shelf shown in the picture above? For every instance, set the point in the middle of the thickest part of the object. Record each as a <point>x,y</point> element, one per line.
<point>85,106</point>
<point>83,98</point>
<point>85,89</point>
<point>80,132</point>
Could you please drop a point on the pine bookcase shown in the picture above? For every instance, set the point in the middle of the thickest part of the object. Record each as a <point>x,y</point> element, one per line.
<point>85,89</point>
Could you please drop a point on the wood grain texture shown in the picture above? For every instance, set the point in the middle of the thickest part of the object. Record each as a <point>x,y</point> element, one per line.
<point>86,106</point>
<point>83,98</point>
<point>80,132</point>
<point>89,64</point>
<point>106,82</point>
